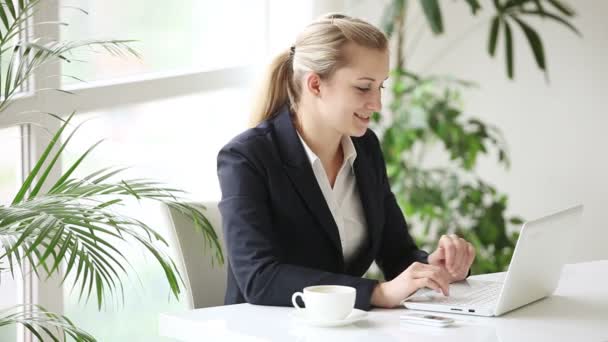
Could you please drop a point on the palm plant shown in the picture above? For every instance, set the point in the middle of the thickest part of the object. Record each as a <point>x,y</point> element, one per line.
<point>74,223</point>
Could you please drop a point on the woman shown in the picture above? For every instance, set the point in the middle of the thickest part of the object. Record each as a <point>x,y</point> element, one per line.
<point>305,196</point>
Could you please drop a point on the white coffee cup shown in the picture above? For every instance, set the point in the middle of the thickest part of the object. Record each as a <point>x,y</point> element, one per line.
<point>326,302</point>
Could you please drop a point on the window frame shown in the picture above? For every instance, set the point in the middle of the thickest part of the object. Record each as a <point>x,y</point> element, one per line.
<point>35,127</point>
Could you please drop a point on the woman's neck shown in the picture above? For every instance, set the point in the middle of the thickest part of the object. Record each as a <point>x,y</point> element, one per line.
<point>322,140</point>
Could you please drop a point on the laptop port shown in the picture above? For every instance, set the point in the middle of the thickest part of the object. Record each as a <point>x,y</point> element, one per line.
<point>471,310</point>
<point>455,309</point>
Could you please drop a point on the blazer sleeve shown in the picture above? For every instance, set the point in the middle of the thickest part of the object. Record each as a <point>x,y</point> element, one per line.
<point>398,250</point>
<point>254,252</point>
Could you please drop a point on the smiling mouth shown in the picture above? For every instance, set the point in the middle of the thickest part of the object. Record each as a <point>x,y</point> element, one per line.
<point>361,116</point>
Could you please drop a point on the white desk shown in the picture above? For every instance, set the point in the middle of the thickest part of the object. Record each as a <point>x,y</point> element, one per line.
<point>578,311</point>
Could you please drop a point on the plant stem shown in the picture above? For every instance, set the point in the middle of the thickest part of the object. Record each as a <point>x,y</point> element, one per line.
<point>400,21</point>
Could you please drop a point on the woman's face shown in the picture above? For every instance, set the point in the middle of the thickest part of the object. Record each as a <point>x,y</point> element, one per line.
<point>348,98</point>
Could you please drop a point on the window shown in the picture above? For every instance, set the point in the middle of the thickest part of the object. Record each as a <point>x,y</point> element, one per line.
<point>167,115</point>
<point>10,168</point>
<point>171,36</point>
<point>172,140</point>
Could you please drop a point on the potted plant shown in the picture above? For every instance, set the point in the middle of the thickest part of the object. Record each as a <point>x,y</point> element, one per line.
<point>73,224</point>
<point>426,113</point>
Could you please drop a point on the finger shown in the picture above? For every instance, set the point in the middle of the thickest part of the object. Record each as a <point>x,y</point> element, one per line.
<point>457,254</point>
<point>443,279</point>
<point>449,248</point>
<point>437,257</point>
<point>461,253</point>
<point>429,283</point>
<point>437,274</point>
<point>471,254</point>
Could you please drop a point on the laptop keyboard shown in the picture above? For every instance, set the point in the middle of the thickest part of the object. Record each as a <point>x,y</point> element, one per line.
<point>481,296</point>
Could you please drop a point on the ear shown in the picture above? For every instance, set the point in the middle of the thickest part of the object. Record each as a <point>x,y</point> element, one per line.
<point>313,83</point>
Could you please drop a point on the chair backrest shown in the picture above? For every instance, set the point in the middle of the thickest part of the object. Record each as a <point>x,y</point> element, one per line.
<point>206,282</point>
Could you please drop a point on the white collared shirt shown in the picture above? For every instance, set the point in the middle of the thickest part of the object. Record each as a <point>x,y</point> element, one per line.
<point>343,200</point>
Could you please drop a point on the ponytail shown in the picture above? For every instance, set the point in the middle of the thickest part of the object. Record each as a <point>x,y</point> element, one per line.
<point>276,89</point>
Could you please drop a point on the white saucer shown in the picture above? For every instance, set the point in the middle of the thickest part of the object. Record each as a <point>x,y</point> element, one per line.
<point>355,316</point>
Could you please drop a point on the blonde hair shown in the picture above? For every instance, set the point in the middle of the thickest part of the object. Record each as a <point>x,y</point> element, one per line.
<point>318,49</point>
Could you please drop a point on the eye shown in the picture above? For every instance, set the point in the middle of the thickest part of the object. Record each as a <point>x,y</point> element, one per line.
<point>364,90</point>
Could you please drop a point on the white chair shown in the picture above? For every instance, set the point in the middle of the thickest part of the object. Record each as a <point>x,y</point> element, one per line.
<point>206,282</point>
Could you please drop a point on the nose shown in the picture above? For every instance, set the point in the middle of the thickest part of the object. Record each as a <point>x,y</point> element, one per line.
<point>375,102</point>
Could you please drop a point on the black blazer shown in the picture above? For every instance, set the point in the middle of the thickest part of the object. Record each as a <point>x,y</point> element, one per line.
<point>279,232</point>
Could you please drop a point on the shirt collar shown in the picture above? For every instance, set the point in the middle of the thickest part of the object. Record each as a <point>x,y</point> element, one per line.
<point>348,148</point>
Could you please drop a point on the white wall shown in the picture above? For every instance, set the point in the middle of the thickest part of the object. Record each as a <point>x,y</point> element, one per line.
<point>556,131</point>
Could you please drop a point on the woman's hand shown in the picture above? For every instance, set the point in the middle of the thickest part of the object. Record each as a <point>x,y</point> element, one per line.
<point>455,255</point>
<point>390,294</point>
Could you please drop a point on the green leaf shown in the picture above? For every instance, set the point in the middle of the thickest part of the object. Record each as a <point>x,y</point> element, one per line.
<point>562,7</point>
<point>516,221</point>
<point>4,18</point>
<point>65,243</point>
<point>554,17</point>
<point>44,325</point>
<point>11,8</point>
<point>14,28</point>
<point>535,43</point>
<point>376,117</point>
<point>69,225</point>
<point>40,54</point>
<point>508,49</point>
<point>515,3</point>
<point>99,287</point>
<point>9,72</point>
<point>497,5</point>
<point>432,12</point>
<point>539,8</point>
<point>50,165</point>
<point>493,36</point>
<point>30,178</point>
<point>475,6</point>
<point>69,172</point>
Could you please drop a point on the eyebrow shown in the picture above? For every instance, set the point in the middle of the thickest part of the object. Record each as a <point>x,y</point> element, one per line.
<point>370,79</point>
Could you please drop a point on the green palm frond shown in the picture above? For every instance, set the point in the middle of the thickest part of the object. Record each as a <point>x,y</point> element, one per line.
<point>42,323</point>
<point>513,11</point>
<point>74,222</point>
<point>95,186</point>
<point>506,14</point>
<point>14,20</point>
<point>83,232</point>
<point>25,57</point>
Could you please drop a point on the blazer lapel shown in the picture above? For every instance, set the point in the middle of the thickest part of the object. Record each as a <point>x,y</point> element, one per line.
<point>370,193</point>
<point>300,173</point>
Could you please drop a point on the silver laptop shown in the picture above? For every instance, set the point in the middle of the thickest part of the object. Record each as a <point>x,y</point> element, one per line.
<point>540,253</point>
